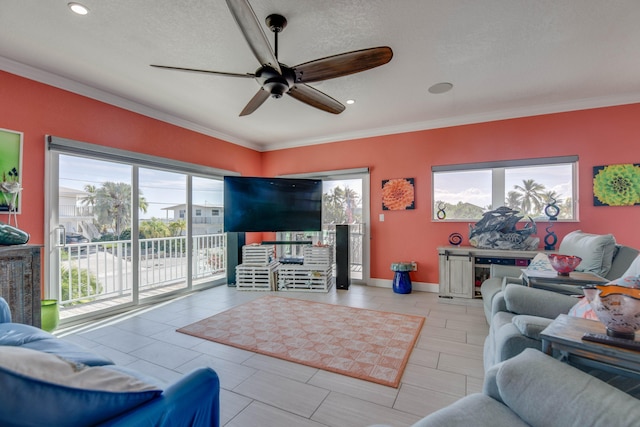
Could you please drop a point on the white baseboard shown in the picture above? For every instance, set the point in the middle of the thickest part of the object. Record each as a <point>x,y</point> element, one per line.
<point>415,286</point>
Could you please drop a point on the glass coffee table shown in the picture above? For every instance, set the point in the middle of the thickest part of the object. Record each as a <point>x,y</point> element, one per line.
<point>568,285</point>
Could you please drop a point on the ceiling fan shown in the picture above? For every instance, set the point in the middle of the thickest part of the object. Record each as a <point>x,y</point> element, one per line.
<point>277,79</point>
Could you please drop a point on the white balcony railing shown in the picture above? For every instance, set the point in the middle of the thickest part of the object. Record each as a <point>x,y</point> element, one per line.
<point>94,271</point>
<point>75,211</point>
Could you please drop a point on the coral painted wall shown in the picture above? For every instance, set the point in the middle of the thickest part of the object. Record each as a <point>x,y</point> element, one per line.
<point>37,110</point>
<point>599,137</point>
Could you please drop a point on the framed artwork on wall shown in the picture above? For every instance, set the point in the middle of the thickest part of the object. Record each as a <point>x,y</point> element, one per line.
<point>398,194</point>
<point>10,170</point>
<point>616,185</point>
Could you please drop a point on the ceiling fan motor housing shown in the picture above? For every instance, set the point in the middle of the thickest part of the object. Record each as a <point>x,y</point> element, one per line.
<point>276,79</point>
<point>273,82</point>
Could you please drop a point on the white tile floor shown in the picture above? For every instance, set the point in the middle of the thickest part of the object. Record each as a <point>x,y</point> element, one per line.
<point>257,390</point>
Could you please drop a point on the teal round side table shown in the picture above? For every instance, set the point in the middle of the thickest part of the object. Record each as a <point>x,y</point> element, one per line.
<point>401,278</point>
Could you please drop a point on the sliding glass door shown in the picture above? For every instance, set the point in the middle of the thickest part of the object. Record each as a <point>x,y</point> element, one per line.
<point>91,210</point>
<point>162,259</point>
<point>123,234</point>
<point>345,200</point>
<point>343,204</point>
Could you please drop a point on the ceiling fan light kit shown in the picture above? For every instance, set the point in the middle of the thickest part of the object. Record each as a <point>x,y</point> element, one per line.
<point>78,8</point>
<point>277,79</point>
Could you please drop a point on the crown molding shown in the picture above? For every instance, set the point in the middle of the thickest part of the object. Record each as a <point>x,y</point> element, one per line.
<point>60,82</point>
<point>69,85</point>
<point>529,111</point>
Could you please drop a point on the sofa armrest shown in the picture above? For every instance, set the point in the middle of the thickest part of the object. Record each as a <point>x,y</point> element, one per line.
<point>508,280</point>
<point>193,400</point>
<point>490,383</point>
<point>498,270</point>
<point>498,304</point>
<point>543,391</point>
<point>531,326</point>
<point>537,302</point>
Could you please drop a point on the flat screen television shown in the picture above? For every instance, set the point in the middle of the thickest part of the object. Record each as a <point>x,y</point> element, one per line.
<point>272,204</point>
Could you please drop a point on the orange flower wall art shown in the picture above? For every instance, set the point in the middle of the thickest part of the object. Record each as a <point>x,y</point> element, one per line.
<point>398,194</point>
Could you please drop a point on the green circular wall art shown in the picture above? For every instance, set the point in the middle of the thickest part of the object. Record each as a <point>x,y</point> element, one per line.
<point>616,185</point>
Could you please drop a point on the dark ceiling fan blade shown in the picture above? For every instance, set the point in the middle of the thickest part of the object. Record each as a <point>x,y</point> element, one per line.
<point>248,22</point>
<point>315,98</point>
<point>257,100</point>
<point>342,64</point>
<point>194,70</point>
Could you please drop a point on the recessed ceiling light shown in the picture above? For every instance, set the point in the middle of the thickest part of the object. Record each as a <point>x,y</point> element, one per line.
<point>351,101</point>
<point>440,88</point>
<point>78,8</point>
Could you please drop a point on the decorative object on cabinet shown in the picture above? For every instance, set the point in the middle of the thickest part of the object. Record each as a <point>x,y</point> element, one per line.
<point>442,213</point>
<point>455,239</point>
<point>20,282</point>
<point>398,194</point>
<point>12,236</point>
<point>551,210</point>
<point>616,185</point>
<point>10,170</point>
<point>497,230</point>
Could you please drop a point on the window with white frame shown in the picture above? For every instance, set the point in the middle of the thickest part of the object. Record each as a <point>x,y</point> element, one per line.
<point>464,192</point>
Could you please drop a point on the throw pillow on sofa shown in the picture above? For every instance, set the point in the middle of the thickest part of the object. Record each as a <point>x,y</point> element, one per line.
<point>540,263</point>
<point>596,251</point>
<point>41,389</point>
<point>583,309</point>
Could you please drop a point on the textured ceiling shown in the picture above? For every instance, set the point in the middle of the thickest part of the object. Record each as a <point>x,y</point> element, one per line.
<point>506,58</point>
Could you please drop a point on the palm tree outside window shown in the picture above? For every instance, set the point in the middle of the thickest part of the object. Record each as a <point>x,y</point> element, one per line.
<point>466,191</point>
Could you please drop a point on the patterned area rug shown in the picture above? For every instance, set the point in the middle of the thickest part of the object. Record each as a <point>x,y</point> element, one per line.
<point>366,344</point>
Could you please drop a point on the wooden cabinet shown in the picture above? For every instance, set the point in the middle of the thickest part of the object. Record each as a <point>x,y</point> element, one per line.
<point>20,282</point>
<point>456,272</point>
<point>462,269</point>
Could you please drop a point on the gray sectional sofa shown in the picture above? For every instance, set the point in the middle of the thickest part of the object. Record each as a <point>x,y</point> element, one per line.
<point>522,385</point>
<point>517,314</point>
<point>533,389</point>
<point>601,255</point>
